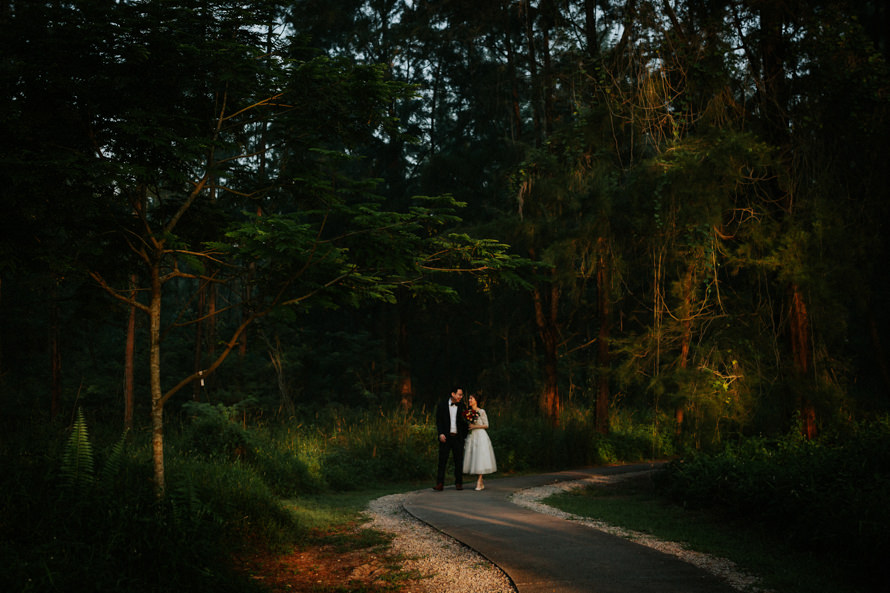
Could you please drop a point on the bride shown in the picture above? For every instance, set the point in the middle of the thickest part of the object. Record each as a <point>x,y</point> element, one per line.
<point>478,452</point>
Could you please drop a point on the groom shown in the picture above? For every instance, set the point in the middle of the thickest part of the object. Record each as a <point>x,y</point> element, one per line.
<point>452,428</point>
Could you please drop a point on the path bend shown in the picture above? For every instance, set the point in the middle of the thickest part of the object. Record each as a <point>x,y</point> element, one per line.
<point>545,554</point>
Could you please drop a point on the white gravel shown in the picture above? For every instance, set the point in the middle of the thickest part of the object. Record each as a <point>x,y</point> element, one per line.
<point>450,567</point>
<point>447,565</point>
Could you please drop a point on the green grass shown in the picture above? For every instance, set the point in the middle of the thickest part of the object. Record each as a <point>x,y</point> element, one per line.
<point>324,512</point>
<point>636,505</point>
<point>335,520</point>
<point>232,486</point>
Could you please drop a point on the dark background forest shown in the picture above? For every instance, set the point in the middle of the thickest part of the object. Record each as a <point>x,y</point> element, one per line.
<point>675,210</point>
<point>261,239</point>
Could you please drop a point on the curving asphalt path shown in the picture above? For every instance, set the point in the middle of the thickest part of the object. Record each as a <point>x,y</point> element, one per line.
<point>545,554</point>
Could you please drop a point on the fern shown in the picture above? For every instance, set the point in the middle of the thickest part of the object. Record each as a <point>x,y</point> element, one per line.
<point>77,458</point>
<point>187,508</point>
<point>114,462</point>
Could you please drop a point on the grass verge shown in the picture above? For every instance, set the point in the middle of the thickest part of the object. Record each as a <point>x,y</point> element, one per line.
<point>338,553</point>
<point>635,504</point>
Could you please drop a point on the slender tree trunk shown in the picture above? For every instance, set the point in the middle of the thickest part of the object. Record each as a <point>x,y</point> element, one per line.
<point>251,274</point>
<point>548,68</point>
<point>157,402</point>
<point>800,349</point>
<point>604,360</point>
<point>211,328</point>
<point>776,99</point>
<point>199,340</point>
<point>686,334</point>
<point>657,314</point>
<point>130,359</point>
<point>546,305</point>
<point>526,8</point>
<point>403,356</point>
<point>516,114</point>
<point>276,357</point>
<point>590,34</point>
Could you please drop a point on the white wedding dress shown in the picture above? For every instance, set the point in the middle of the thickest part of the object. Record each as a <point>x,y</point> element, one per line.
<point>478,452</point>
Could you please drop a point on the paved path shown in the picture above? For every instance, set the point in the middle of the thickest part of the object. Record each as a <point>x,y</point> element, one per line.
<point>544,554</point>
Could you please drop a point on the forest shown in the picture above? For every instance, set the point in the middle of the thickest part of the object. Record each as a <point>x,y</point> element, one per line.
<point>613,219</point>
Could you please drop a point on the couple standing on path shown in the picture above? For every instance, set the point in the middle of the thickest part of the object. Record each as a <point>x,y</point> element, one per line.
<point>472,454</point>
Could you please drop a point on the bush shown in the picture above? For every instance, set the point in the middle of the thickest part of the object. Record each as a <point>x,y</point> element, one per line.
<point>105,530</point>
<point>214,431</point>
<point>826,495</point>
<point>378,450</point>
<point>77,515</point>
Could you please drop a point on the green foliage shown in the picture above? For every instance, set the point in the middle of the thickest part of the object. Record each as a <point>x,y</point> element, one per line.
<point>218,434</point>
<point>373,449</point>
<point>826,495</point>
<point>215,430</point>
<point>110,532</point>
<point>77,459</point>
<point>526,441</point>
<point>234,481</point>
<point>634,503</point>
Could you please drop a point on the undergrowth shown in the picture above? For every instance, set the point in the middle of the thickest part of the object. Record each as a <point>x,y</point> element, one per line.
<point>828,496</point>
<point>79,511</point>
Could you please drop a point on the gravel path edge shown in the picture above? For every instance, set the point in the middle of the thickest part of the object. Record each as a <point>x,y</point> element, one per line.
<point>449,566</point>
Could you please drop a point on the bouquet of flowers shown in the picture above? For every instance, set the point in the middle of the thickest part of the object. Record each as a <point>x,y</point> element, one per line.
<point>471,415</point>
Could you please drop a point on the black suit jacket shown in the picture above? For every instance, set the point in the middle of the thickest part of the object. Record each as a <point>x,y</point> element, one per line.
<point>443,419</point>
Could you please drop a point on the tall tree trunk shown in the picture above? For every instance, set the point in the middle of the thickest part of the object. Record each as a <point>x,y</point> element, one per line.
<point>157,402</point>
<point>130,359</point>
<point>775,101</point>
<point>689,281</point>
<point>546,305</point>
<point>199,340</point>
<point>529,18</point>
<point>604,359</point>
<point>211,334</point>
<point>800,350</point>
<point>276,356</point>
<point>246,302</point>
<point>403,356</point>
<point>205,334</point>
<point>515,111</point>
<point>590,34</point>
<point>548,90</point>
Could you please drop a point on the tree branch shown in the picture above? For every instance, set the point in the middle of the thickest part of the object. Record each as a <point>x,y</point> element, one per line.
<point>116,294</point>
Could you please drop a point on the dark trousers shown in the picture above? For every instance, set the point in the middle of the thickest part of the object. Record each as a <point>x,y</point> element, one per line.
<point>453,445</point>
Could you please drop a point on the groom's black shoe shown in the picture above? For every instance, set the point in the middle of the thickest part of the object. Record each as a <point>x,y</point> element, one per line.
<point>458,486</point>
<point>438,487</point>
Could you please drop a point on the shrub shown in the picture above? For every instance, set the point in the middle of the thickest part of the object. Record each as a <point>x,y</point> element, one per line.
<point>67,529</point>
<point>826,495</point>
<point>214,431</point>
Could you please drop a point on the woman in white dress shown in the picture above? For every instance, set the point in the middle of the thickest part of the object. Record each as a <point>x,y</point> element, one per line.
<point>478,452</point>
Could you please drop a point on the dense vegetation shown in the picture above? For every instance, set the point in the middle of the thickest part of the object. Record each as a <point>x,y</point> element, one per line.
<point>78,513</point>
<point>635,228</point>
<point>827,497</point>
<point>795,514</point>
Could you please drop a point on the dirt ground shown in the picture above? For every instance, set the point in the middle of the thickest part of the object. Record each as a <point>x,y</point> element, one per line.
<point>324,568</point>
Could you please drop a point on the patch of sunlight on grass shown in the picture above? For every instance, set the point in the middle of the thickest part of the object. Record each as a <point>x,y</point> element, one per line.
<point>329,510</point>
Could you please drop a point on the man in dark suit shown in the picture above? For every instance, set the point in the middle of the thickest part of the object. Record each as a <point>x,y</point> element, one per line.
<point>452,429</point>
